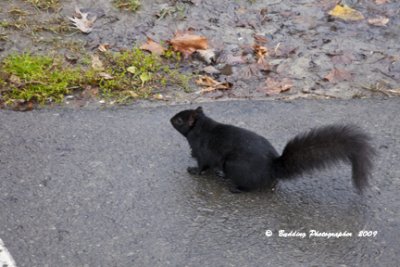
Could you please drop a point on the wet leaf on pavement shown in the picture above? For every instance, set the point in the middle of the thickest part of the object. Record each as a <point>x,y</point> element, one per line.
<point>379,21</point>
<point>82,22</point>
<point>341,58</point>
<point>381,2</point>
<point>187,43</point>
<point>261,52</point>
<point>211,84</point>
<point>153,47</point>
<point>103,47</point>
<point>275,86</point>
<point>208,55</point>
<point>345,12</point>
<point>336,75</point>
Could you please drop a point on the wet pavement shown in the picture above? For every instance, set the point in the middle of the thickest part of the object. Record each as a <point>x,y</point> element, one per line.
<point>110,188</point>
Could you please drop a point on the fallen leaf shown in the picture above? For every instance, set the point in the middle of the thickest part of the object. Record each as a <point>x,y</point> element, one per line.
<point>261,52</point>
<point>206,81</point>
<point>254,69</point>
<point>339,58</point>
<point>208,55</point>
<point>14,79</point>
<point>283,50</point>
<point>379,21</point>
<point>103,47</point>
<point>212,85</point>
<point>187,43</point>
<point>277,86</point>
<point>82,22</point>
<point>260,39</point>
<point>345,12</point>
<point>131,69</point>
<point>105,76</point>
<point>153,47</point>
<point>96,63</point>
<point>22,105</point>
<point>337,75</point>
<point>381,2</point>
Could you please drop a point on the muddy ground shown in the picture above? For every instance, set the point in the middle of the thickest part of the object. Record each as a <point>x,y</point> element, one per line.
<point>310,53</point>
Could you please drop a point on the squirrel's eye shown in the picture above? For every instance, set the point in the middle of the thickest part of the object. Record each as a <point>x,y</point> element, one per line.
<point>179,121</point>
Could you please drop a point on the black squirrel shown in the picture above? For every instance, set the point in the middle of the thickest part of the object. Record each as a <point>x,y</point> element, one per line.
<point>251,162</point>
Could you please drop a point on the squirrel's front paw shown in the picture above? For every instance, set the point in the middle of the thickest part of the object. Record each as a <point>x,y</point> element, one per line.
<point>220,173</point>
<point>193,170</point>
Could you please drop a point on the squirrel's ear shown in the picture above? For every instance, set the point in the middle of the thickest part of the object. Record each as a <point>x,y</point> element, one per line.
<point>194,115</point>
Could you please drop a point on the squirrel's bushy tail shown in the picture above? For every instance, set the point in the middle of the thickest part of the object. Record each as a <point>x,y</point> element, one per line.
<point>326,146</point>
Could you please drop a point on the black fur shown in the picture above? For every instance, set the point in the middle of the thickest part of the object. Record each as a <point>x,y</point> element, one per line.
<point>251,162</point>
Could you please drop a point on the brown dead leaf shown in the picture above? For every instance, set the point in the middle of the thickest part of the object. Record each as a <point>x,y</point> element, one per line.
<point>337,75</point>
<point>103,47</point>
<point>105,76</point>
<point>211,84</point>
<point>260,39</point>
<point>206,81</point>
<point>22,105</point>
<point>153,47</point>
<point>255,69</point>
<point>379,21</point>
<point>187,43</point>
<point>261,52</point>
<point>82,22</point>
<point>283,51</point>
<point>339,58</point>
<point>381,2</point>
<point>276,86</point>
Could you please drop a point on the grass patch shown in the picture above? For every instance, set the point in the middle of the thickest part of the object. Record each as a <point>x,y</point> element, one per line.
<point>3,36</point>
<point>45,4</point>
<point>130,5</point>
<point>117,76</point>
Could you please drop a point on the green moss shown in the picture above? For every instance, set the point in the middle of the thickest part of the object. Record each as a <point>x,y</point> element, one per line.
<point>37,78</point>
<point>136,74</point>
<point>131,5</point>
<point>120,76</point>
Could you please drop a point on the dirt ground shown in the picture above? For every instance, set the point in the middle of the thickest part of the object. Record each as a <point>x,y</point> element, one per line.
<point>309,53</point>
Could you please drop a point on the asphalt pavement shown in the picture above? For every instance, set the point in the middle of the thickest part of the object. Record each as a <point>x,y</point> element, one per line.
<point>95,187</point>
